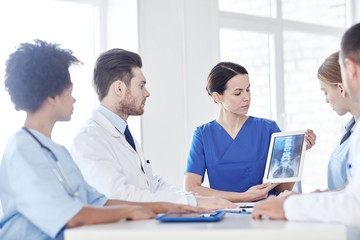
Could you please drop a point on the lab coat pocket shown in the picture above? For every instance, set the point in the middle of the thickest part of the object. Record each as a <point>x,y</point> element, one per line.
<point>148,171</point>
<point>147,167</point>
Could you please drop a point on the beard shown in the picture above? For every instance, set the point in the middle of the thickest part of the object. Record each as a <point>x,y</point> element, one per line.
<point>130,106</point>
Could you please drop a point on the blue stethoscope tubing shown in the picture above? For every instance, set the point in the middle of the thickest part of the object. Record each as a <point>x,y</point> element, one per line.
<point>60,173</point>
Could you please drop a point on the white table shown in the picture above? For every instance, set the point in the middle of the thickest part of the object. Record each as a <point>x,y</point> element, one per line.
<point>232,226</point>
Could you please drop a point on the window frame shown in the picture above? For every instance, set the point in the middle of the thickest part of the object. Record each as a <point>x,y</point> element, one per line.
<point>275,27</point>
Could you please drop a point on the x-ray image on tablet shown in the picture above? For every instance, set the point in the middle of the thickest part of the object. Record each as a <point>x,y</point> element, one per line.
<point>285,157</point>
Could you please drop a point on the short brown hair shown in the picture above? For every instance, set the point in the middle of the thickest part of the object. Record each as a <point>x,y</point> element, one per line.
<point>112,65</point>
<point>350,44</point>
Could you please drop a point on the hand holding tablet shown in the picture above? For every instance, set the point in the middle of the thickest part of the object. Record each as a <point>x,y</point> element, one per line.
<point>285,157</point>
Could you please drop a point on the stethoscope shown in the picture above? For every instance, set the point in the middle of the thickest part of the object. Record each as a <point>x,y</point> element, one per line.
<point>60,174</point>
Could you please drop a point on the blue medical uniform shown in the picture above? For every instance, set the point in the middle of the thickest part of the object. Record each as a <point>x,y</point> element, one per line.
<point>338,162</point>
<point>35,203</point>
<point>231,164</point>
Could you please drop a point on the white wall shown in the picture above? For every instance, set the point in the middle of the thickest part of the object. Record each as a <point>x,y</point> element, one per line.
<point>179,46</point>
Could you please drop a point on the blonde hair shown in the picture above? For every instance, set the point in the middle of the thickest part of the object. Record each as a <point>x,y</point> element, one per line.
<point>329,72</point>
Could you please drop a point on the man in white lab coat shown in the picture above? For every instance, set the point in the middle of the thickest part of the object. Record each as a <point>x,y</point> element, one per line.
<point>109,158</point>
<point>342,206</point>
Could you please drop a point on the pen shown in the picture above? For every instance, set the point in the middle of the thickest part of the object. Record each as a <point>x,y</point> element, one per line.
<point>240,211</point>
<point>244,211</point>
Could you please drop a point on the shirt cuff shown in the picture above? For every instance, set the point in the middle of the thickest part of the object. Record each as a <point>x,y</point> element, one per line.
<point>191,200</point>
<point>293,207</point>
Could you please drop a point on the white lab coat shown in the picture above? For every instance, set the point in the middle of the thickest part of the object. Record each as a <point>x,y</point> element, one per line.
<point>112,166</point>
<point>342,206</point>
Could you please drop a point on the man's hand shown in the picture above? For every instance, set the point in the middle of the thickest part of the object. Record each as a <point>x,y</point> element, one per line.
<point>285,194</point>
<point>213,203</point>
<point>271,207</point>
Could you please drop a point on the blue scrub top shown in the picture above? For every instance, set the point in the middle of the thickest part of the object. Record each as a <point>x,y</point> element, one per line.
<point>35,204</point>
<point>337,166</point>
<point>232,164</point>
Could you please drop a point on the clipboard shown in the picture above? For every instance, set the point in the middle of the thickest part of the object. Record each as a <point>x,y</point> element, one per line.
<point>211,216</point>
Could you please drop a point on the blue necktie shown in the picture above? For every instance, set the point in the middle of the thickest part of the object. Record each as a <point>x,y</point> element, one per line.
<point>129,137</point>
<point>130,140</point>
<point>347,134</point>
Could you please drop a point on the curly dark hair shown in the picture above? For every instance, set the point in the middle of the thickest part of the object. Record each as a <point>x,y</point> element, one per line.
<point>37,71</point>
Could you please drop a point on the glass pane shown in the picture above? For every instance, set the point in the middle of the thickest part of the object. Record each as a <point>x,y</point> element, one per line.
<point>305,105</point>
<point>52,21</point>
<point>253,7</point>
<point>251,50</point>
<point>325,12</point>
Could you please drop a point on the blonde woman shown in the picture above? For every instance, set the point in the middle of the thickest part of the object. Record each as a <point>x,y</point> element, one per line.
<point>329,75</point>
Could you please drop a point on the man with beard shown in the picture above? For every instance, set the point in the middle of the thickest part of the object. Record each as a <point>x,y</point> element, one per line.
<point>104,149</point>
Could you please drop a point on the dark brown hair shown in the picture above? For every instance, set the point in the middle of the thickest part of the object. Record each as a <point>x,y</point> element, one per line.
<point>350,44</point>
<point>112,65</point>
<point>221,74</point>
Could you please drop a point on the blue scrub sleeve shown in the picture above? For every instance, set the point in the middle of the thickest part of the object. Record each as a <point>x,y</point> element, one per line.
<point>38,194</point>
<point>94,198</point>
<point>196,159</point>
<point>275,128</point>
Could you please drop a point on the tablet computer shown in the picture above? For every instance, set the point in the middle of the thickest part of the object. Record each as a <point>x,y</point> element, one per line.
<point>191,216</point>
<point>285,157</point>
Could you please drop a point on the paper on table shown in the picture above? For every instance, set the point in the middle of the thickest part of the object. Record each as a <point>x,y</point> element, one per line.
<point>244,207</point>
<point>245,204</point>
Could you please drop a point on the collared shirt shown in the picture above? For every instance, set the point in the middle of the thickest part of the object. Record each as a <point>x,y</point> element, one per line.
<point>119,123</point>
<point>36,205</point>
<point>338,162</point>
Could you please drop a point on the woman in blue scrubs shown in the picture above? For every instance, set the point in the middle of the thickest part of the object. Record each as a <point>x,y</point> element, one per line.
<point>41,189</point>
<point>331,84</point>
<point>233,148</point>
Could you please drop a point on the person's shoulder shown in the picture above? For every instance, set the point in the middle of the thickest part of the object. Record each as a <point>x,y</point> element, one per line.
<point>92,131</point>
<point>263,122</point>
<point>21,148</point>
<point>90,127</point>
<point>20,139</point>
<point>207,126</point>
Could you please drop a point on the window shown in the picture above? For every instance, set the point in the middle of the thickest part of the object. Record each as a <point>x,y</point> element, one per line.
<point>324,12</point>
<point>253,7</point>
<point>70,24</point>
<point>255,62</point>
<point>282,43</point>
<point>77,25</point>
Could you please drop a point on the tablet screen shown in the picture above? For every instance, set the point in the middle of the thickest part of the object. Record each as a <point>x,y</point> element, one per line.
<point>286,156</point>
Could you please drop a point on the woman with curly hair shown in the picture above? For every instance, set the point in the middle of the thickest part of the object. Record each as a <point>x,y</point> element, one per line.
<point>41,189</point>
